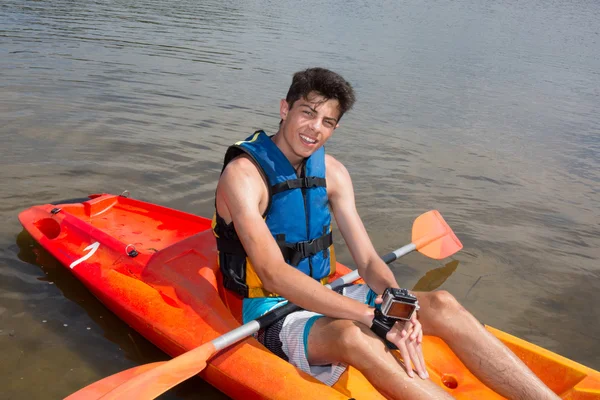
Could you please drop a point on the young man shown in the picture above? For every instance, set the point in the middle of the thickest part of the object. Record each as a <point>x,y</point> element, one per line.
<point>272,225</point>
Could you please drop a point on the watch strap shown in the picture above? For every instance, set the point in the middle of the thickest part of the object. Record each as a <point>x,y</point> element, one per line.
<point>381,326</point>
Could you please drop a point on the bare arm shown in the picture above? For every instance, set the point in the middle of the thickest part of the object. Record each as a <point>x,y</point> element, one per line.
<point>240,194</point>
<point>341,196</point>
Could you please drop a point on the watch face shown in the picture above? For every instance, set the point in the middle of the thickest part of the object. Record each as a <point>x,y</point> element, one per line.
<point>400,310</point>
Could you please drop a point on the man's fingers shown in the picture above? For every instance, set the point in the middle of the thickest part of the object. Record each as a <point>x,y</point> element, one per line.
<point>399,335</point>
<point>405,357</point>
<point>416,360</point>
<point>417,338</point>
<point>416,330</point>
<point>422,358</point>
<point>407,336</point>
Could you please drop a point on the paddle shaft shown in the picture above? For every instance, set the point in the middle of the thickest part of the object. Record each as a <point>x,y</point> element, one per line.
<point>267,319</point>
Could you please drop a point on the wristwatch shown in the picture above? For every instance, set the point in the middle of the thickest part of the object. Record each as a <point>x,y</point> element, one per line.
<point>397,305</point>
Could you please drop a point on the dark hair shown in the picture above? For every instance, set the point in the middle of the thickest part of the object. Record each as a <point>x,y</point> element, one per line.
<point>326,83</point>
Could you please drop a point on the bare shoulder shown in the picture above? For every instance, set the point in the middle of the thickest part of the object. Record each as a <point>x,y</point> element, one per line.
<point>241,166</point>
<point>337,176</point>
<point>241,185</point>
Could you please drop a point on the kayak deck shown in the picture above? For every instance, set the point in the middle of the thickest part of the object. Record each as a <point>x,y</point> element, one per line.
<point>168,290</point>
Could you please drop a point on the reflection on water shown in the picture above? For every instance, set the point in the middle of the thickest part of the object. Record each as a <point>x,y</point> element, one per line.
<point>436,277</point>
<point>485,110</point>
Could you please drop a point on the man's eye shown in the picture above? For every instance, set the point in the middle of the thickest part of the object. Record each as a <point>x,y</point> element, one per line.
<point>309,113</point>
<point>329,124</point>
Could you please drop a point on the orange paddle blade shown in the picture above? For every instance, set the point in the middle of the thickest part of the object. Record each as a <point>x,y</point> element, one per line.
<point>433,236</point>
<point>153,383</point>
<point>100,388</point>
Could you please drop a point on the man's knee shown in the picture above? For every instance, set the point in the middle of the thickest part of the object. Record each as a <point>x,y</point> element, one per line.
<point>442,301</point>
<point>355,340</point>
<point>439,310</point>
<point>351,335</point>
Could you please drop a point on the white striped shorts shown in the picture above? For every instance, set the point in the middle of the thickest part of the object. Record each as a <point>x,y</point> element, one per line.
<point>288,337</point>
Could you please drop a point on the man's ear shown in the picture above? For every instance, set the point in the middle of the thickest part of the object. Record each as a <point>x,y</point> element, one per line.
<point>283,109</point>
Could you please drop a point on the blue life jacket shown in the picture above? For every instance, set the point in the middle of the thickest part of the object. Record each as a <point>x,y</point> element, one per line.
<point>297,215</point>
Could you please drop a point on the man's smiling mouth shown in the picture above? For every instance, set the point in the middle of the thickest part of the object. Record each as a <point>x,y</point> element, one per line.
<point>308,140</point>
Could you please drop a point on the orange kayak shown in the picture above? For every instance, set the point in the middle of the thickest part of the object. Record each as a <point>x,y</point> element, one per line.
<point>156,268</point>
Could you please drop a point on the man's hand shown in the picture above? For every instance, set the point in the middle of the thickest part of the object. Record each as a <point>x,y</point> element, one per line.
<point>408,336</point>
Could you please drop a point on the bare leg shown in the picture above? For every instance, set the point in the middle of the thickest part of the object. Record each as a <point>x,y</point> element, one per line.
<point>354,344</point>
<point>487,358</point>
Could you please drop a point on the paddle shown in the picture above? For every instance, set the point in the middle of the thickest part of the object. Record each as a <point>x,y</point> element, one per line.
<point>431,236</point>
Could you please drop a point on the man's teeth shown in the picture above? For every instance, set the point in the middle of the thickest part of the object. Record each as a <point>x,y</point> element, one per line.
<point>307,139</point>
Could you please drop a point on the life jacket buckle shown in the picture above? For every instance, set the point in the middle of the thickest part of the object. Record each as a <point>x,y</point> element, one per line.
<point>306,248</point>
<point>310,181</point>
<point>300,248</point>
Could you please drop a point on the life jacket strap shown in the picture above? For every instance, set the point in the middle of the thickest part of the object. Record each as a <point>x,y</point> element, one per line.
<point>298,183</point>
<point>293,253</point>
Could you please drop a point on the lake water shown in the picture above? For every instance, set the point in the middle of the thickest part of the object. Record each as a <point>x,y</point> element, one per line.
<point>485,110</point>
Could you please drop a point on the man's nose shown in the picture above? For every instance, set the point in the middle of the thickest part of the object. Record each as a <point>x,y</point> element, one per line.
<point>315,124</point>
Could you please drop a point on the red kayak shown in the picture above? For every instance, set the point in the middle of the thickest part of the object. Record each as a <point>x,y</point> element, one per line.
<point>156,268</point>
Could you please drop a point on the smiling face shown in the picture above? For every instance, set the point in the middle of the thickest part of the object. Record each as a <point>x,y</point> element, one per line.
<point>306,126</point>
